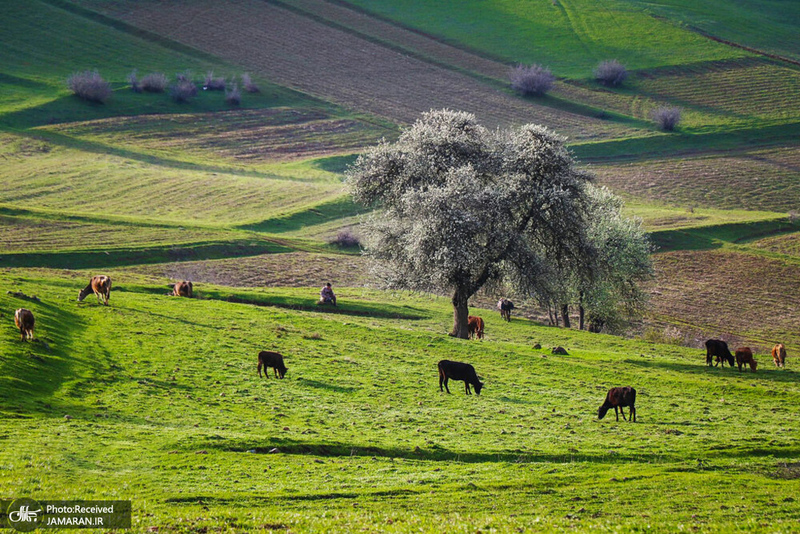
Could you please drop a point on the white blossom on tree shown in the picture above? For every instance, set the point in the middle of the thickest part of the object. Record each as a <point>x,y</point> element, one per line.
<point>457,207</point>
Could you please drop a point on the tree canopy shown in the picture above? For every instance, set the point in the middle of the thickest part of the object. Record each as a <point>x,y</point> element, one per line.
<point>459,207</point>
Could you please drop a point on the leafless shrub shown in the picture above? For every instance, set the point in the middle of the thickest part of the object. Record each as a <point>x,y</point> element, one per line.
<point>666,117</point>
<point>248,84</point>
<point>532,80</point>
<point>233,96</point>
<point>793,216</point>
<point>213,84</point>
<point>183,91</point>
<point>345,238</point>
<point>155,82</point>
<point>185,76</point>
<point>134,81</point>
<point>610,72</point>
<point>89,85</point>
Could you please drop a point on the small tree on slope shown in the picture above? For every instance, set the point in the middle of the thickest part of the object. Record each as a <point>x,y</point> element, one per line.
<point>458,207</point>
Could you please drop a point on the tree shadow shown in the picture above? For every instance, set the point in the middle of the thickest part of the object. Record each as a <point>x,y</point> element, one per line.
<point>763,374</point>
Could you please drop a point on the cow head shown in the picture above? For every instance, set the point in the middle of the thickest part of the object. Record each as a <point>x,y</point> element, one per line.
<point>602,412</point>
<point>83,293</point>
<point>478,387</point>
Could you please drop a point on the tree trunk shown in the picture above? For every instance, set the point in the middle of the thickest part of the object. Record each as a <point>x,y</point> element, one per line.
<point>581,313</point>
<point>565,315</point>
<point>460,315</point>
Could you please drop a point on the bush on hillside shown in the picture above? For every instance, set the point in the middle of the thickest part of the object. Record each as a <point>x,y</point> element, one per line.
<point>183,91</point>
<point>248,84</point>
<point>666,117</point>
<point>155,82</point>
<point>533,80</point>
<point>213,84</point>
<point>134,81</point>
<point>184,77</point>
<point>611,73</point>
<point>89,85</point>
<point>233,96</point>
<point>345,238</point>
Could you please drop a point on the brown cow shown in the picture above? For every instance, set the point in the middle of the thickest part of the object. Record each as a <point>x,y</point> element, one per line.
<point>475,327</point>
<point>268,358</point>
<point>182,289</point>
<point>745,356</point>
<point>100,286</point>
<point>779,355</point>
<point>23,318</point>
<point>617,398</point>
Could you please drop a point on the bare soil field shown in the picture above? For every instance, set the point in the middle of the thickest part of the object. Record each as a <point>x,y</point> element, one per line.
<point>764,179</point>
<point>742,90</point>
<point>300,52</point>
<point>728,295</point>
<point>788,245</point>
<point>245,136</point>
<point>294,269</point>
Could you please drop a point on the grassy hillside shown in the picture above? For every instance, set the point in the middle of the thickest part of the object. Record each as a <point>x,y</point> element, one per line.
<point>166,409</point>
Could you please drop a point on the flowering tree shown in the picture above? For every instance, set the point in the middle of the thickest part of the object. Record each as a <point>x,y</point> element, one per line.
<point>458,207</point>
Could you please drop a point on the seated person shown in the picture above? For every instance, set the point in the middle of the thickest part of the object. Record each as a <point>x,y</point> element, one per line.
<point>326,296</point>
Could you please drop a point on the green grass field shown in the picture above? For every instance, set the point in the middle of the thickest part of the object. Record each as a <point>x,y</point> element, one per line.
<point>156,399</point>
<point>166,410</point>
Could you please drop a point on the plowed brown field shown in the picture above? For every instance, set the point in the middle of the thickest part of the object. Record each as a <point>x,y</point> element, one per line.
<point>728,295</point>
<point>758,180</point>
<point>297,51</point>
<point>252,136</point>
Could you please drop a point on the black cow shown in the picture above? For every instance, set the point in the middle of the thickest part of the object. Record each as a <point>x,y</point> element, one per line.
<point>268,358</point>
<point>718,348</point>
<point>617,398</point>
<point>459,371</point>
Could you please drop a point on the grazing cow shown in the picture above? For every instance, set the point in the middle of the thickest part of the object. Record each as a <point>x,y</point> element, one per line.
<point>23,318</point>
<point>182,289</point>
<point>475,327</point>
<point>459,371</point>
<point>718,348</point>
<point>505,306</point>
<point>745,356</point>
<point>618,398</point>
<point>268,358</point>
<point>779,355</point>
<point>100,286</point>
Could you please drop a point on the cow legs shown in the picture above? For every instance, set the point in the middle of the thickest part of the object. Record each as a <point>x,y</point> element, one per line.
<point>633,414</point>
<point>616,412</point>
<point>466,384</point>
<point>443,378</point>
<point>22,334</point>
<point>274,370</point>
<point>259,370</point>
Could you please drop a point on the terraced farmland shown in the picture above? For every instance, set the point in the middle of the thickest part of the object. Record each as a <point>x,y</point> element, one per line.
<point>720,293</point>
<point>756,180</point>
<point>741,93</point>
<point>71,180</point>
<point>250,137</point>
<point>300,52</point>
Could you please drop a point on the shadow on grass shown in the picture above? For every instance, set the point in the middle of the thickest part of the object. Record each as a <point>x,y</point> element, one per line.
<point>123,257</point>
<point>385,311</point>
<point>32,372</point>
<point>326,386</point>
<point>321,213</point>
<point>770,375</point>
<point>434,453</point>
<point>713,237</point>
